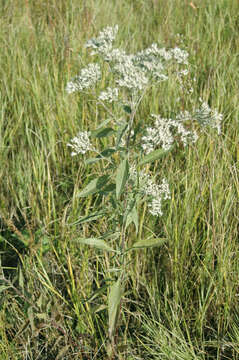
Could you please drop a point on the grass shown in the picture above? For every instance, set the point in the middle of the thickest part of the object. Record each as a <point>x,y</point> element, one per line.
<point>181,301</point>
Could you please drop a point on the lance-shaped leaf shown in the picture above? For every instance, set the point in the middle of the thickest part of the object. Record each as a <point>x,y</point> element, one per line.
<point>152,156</point>
<point>98,243</point>
<point>120,133</point>
<point>132,216</point>
<point>105,122</point>
<point>94,186</point>
<point>92,160</point>
<point>91,217</point>
<point>127,109</point>
<point>106,153</point>
<point>116,292</point>
<point>102,132</point>
<point>121,177</point>
<point>146,243</point>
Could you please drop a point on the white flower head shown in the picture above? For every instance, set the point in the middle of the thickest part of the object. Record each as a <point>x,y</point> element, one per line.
<point>115,55</point>
<point>208,117</point>
<point>155,193</point>
<point>80,143</point>
<point>158,193</point>
<point>159,135</point>
<point>130,75</point>
<point>164,131</point>
<point>88,77</point>
<point>109,95</point>
<point>181,56</point>
<point>103,43</point>
<point>152,60</point>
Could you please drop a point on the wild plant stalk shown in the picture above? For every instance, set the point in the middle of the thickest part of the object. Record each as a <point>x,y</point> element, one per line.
<point>125,185</point>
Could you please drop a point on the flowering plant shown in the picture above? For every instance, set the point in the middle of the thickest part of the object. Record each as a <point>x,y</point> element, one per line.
<point>126,182</point>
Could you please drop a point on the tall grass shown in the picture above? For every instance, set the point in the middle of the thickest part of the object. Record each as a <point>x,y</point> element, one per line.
<point>181,301</point>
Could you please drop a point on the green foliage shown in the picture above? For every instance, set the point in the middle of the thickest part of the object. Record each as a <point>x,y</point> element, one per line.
<point>180,301</point>
<point>98,243</point>
<point>115,294</point>
<point>122,175</point>
<point>152,156</point>
<point>144,243</point>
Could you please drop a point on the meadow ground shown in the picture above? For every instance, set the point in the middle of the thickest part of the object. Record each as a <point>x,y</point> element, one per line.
<point>181,300</point>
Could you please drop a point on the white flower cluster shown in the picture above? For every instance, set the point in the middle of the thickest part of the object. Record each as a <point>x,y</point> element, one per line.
<point>103,43</point>
<point>158,193</point>
<point>181,56</point>
<point>208,117</point>
<point>186,136</point>
<point>163,133</point>
<point>153,60</point>
<point>115,55</point>
<point>88,77</point>
<point>154,53</point>
<point>135,71</point>
<point>158,136</point>
<point>130,75</point>
<point>132,71</point>
<point>154,192</point>
<point>80,143</point>
<point>109,95</point>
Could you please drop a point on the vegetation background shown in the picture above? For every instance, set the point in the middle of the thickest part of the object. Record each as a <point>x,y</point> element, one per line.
<point>182,299</point>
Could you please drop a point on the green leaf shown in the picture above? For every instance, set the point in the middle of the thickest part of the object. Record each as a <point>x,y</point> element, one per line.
<point>92,160</point>
<point>21,279</point>
<point>121,177</point>
<point>99,308</point>
<point>132,216</point>
<point>153,155</point>
<point>107,152</point>
<point>94,186</point>
<point>145,243</point>
<point>98,243</point>
<point>88,218</point>
<point>31,317</point>
<point>105,122</point>
<point>122,129</point>
<point>127,109</point>
<point>108,189</point>
<point>102,132</point>
<point>116,292</point>
<point>96,293</point>
<point>104,154</point>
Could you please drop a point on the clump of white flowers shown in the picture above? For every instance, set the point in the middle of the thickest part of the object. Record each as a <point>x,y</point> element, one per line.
<point>154,61</point>
<point>129,75</point>
<point>80,143</point>
<point>88,77</point>
<point>135,73</point>
<point>181,56</point>
<point>103,43</point>
<point>164,131</point>
<point>209,117</point>
<point>154,192</point>
<point>109,95</point>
